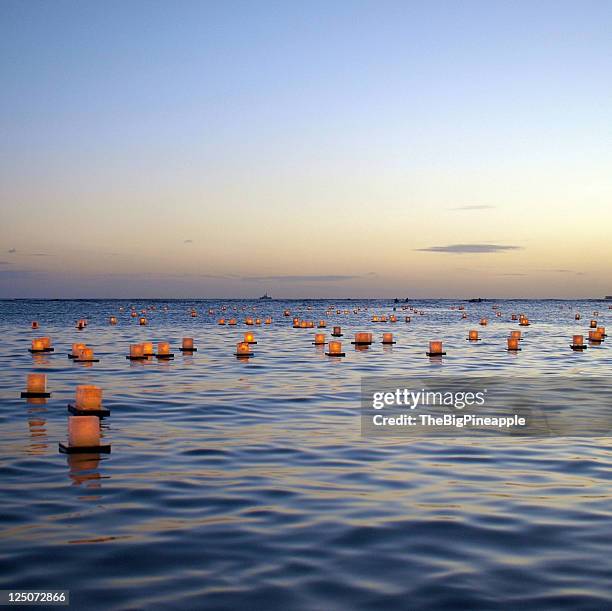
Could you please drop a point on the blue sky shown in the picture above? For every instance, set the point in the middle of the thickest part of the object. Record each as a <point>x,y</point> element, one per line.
<point>306,149</point>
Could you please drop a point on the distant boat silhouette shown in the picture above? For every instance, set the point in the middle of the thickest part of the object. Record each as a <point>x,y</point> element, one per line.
<point>266,297</point>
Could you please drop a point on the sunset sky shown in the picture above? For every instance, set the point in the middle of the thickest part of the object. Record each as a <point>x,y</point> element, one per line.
<point>306,149</point>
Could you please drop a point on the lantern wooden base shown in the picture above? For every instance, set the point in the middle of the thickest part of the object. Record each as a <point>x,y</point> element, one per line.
<point>75,411</point>
<point>470,339</point>
<point>166,357</point>
<point>578,347</point>
<point>101,449</point>
<point>435,353</point>
<point>362,343</point>
<point>250,343</point>
<point>136,358</point>
<point>525,325</point>
<point>319,343</point>
<point>35,395</point>
<point>244,356</point>
<point>513,349</point>
<point>188,349</point>
<point>337,335</point>
<point>388,343</point>
<point>335,354</point>
<point>77,360</point>
<point>41,350</point>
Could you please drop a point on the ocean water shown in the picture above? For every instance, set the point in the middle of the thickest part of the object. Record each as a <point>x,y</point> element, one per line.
<point>248,485</point>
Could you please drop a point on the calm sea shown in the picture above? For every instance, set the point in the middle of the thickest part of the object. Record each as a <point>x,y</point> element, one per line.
<point>247,484</point>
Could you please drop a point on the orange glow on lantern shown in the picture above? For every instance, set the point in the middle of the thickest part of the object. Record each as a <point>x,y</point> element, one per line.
<point>258,321</point>
<point>387,338</point>
<point>514,317</point>
<point>268,321</point>
<point>248,321</point>
<point>34,324</point>
<point>142,321</point>
<point>335,347</point>
<point>46,342</point>
<point>602,330</point>
<point>83,431</point>
<point>38,345</point>
<point>473,336</point>
<point>484,322</point>
<point>147,348</point>
<point>363,338</point>
<point>322,324</point>
<point>136,351</point>
<point>435,348</point>
<point>595,336</point>
<point>221,321</point>
<point>319,339</point>
<point>187,343</point>
<point>375,319</point>
<point>578,340</point>
<point>243,349</point>
<point>37,382</point>
<point>249,338</point>
<point>232,322</point>
<point>88,397</point>
<point>515,334</point>
<point>513,343</point>
<point>112,320</point>
<point>85,354</point>
<point>76,348</point>
<point>163,348</point>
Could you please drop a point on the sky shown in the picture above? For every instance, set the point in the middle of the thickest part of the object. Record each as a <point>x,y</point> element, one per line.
<point>305,149</point>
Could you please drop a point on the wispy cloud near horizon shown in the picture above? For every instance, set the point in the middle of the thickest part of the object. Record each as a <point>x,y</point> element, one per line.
<point>462,249</point>
<point>478,207</point>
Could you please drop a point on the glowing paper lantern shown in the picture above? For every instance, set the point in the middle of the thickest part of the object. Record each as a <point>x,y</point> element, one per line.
<point>473,336</point>
<point>88,397</point>
<point>322,324</point>
<point>187,344</point>
<point>484,322</point>
<point>319,339</point>
<point>435,348</point>
<point>163,349</point>
<point>34,324</point>
<point>515,334</point>
<point>83,431</point>
<point>136,351</point>
<point>142,321</point>
<point>36,383</point>
<point>147,348</point>
<point>249,338</point>
<point>387,338</point>
<point>337,332</point>
<point>513,344</point>
<point>335,349</point>
<point>243,349</point>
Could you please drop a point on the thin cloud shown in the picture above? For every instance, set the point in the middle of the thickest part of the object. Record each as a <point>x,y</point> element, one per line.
<point>187,241</point>
<point>304,278</point>
<point>12,251</point>
<point>514,274</point>
<point>462,249</point>
<point>483,207</point>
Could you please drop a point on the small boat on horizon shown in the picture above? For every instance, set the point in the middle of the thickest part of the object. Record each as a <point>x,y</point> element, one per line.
<point>265,297</point>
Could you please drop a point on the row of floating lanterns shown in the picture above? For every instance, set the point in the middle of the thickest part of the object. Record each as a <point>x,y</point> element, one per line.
<point>84,433</point>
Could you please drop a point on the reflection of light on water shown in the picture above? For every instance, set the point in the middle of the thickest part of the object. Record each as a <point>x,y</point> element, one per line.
<point>83,470</point>
<point>37,425</point>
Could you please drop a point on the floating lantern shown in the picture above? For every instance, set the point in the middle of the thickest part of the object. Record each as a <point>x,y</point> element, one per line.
<point>498,314</point>
<point>243,350</point>
<point>387,338</point>
<point>464,315</point>
<point>187,345</point>
<point>524,322</point>
<point>88,402</point>
<point>473,336</point>
<point>221,321</point>
<point>435,349</point>
<point>337,332</point>
<point>258,321</point>
<point>383,319</point>
<point>36,386</point>
<point>595,337</point>
<point>484,322</point>
<point>76,348</point>
<point>407,319</point>
<point>514,317</point>
<point>84,436</point>
<point>577,317</point>
<point>248,321</point>
<point>112,320</point>
<point>335,349</point>
<point>319,339</point>
<point>232,322</point>
<point>163,351</point>
<point>513,344</point>
<point>147,348</point>
<point>136,353</point>
<point>193,313</point>
<point>34,324</point>
<point>133,314</point>
<point>322,324</point>
<point>142,321</point>
<point>515,335</point>
<point>303,324</point>
<point>268,321</point>
<point>375,318</point>
<point>249,338</point>
<point>602,330</point>
<point>578,343</point>
<point>393,318</point>
<point>593,324</point>
<point>362,339</point>
<point>41,344</point>
<point>286,313</point>
<point>85,355</point>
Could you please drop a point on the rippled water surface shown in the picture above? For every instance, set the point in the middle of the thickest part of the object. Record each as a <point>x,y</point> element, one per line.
<point>247,485</point>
